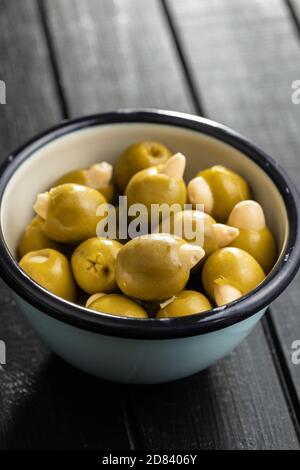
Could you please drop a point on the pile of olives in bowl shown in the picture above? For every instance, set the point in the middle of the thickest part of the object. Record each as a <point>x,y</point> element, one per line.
<point>157,274</point>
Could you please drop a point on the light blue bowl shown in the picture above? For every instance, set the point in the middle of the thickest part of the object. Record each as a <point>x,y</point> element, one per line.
<point>142,350</point>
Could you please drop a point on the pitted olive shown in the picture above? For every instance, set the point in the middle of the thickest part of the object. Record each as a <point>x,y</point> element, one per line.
<point>93,263</point>
<point>139,157</point>
<point>116,304</point>
<point>230,273</point>
<point>69,212</point>
<point>254,236</point>
<point>98,176</point>
<point>187,302</point>
<point>159,185</point>
<point>156,266</point>
<point>219,190</point>
<point>51,270</point>
<point>199,228</point>
<point>34,238</point>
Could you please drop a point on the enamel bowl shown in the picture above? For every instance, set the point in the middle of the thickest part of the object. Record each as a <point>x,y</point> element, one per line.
<point>142,350</point>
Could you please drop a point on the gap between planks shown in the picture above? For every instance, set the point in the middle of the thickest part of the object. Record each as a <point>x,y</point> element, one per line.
<point>55,69</point>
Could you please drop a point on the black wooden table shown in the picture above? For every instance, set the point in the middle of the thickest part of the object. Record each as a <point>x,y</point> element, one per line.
<point>233,61</point>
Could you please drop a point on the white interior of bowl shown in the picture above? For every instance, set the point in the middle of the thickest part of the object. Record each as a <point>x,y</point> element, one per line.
<point>105,143</point>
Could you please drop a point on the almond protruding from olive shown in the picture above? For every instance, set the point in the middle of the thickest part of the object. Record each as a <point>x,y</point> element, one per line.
<point>224,294</point>
<point>175,166</point>
<point>199,192</point>
<point>99,174</point>
<point>247,215</point>
<point>190,255</point>
<point>92,299</point>
<point>41,205</point>
<point>225,234</point>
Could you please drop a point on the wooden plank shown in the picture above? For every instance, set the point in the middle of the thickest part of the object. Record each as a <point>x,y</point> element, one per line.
<point>224,407</point>
<point>30,93</point>
<point>294,7</point>
<point>243,60</point>
<point>46,404</point>
<point>234,404</point>
<point>122,53</point>
<point>43,402</point>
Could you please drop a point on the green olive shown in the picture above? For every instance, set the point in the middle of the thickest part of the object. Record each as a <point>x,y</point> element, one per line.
<point>260,244</point>
<point>254,235</point>
<point>230,273</point>
<point>187,302</point>
<point>34,238</point>
<point>108,191</point>
<point>93,263</point>
<point>156,266</point>
<point>69,212</point>
<point>51,270</point>
<point>138,157</point>
<point>196,222</point>
<point>81,177</point>
<point>199,228</point>
<point>74,176</point>
<point>149,187</point>
<point>227,188</point>
<point>116,304</point>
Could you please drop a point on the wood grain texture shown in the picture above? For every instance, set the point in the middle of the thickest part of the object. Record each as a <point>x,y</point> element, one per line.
<point>224,407</point>
<point>238,403</point>
<point>43,402</point>
<point>243,57</point>
<point>295,5</point>
<point>46,404</point>
<point>24,66</point>
<point>122,53</point>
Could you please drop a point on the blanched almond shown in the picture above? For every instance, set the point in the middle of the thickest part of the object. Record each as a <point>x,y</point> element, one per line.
<point>99,174</point>
<point>248,215</point>
<point>175,166</point>
<point>41,205</point>
<point>190,255</point>
<point>224,294</point>
<point>225,234</point>
<point>199,192</point>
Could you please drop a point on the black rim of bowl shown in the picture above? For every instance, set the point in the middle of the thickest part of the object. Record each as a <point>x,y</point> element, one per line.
<point>281,275</point>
